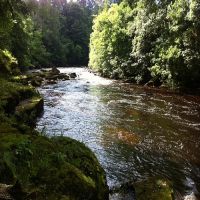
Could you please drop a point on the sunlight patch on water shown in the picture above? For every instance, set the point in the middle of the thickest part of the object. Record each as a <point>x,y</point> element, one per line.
<point>85,75</point>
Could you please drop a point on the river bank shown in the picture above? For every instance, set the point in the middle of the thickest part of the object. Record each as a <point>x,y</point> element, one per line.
<point>151,86</point>
<point>33,166</point>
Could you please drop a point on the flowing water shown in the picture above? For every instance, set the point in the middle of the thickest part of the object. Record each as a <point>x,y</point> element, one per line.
<point>135,132</point>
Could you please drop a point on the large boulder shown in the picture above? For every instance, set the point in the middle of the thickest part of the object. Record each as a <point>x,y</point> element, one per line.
<point>28,110</point>
<point>51,168</point>
<point>12,93</point>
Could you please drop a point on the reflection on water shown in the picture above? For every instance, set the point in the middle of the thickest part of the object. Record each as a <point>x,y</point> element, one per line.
<point>134,132</point>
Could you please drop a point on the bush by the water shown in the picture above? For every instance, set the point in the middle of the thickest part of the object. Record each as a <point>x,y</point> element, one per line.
<point>8,64</point>
<point>148,40</point>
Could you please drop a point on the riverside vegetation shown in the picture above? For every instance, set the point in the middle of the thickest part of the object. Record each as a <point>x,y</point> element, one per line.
<point>39,167</point>
<point>33,166</point>
<point>148,42</point>
<point>145,42</point>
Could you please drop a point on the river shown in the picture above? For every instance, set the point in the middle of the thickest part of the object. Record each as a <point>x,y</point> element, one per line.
<point>135,132</point>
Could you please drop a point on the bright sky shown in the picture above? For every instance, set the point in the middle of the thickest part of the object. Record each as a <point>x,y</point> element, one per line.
<point>72,0</point>
<point>67,0</point>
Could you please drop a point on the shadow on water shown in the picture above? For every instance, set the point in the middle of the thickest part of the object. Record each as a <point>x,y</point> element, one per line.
<point>135,132</point>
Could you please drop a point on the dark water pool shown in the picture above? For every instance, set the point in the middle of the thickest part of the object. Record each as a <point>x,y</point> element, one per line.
<point>134,132</point>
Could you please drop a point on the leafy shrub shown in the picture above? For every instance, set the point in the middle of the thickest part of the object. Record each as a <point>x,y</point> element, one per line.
<point>148,40</point>
<point>8,64</point>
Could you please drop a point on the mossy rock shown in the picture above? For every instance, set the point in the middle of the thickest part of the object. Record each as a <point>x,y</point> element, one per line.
<point>12,93</point>
<point>28,110</point>
<point>151,189</point>
<point>37,81</point>
<point>10,97</point>
<point>23,79</point>
<point>154,189</point>
<point>51,168</point>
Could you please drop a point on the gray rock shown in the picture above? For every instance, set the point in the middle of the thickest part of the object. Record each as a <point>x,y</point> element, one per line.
<point>54,70</point>
<point>72,75</point>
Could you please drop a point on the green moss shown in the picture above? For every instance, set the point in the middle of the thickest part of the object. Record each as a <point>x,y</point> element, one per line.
<point>20,79</point>
<point>8,64</point>
<point>11,107</point>
<point>12,93</point>
<point>154,189</point>
<point>6,128</point>
<point>29,104</point>
<point>46,167</point>
<point>28,111</point>
<point>83,159</point>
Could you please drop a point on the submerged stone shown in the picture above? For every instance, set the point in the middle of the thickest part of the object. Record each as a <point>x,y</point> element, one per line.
<point>124,192</point>
<point>151,189</point>
<point>154,189</point>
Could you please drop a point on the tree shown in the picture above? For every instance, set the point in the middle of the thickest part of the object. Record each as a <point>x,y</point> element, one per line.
<point>110,45</point>
<point>145,41</point>
<point>12,28</point>
<point>76,26</point>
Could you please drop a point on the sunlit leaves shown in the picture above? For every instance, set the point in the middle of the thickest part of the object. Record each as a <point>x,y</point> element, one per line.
<point>162,41</point>
<point>110,44</point>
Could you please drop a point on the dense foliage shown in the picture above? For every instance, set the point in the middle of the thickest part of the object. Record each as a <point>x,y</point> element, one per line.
<point>142,40</point>
<point>13,35</point>
<point>156,41</point>
<point>45,33</point>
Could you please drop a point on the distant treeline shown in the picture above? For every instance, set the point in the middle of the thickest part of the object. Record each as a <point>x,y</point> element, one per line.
<point>45,32</point>
<point>155,41</point>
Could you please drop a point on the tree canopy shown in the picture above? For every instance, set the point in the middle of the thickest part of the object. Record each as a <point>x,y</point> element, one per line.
<point>47,32</point>
<point>149,41</point>
<point>140,40</point>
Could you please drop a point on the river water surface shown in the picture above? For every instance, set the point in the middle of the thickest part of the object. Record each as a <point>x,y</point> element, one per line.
<point>135,132</point>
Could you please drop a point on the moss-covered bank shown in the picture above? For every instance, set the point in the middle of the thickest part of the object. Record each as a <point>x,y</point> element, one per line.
<point>51,168</point>
<point>38,167</point>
